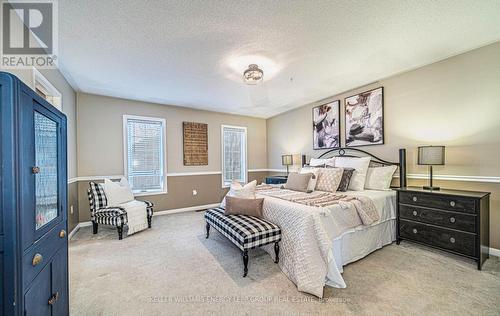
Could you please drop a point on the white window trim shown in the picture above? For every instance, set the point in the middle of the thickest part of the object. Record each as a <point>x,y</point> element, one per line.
<point>45,83</point>
<point>222,152</point>
<point>164,144</point>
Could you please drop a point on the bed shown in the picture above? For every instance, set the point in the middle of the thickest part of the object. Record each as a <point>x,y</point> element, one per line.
<point>318,242</point>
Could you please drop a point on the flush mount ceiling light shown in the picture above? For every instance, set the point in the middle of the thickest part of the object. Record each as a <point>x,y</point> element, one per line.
<point>253,75</point>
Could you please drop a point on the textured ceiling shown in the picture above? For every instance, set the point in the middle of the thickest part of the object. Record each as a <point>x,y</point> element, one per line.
<point>192,53</point>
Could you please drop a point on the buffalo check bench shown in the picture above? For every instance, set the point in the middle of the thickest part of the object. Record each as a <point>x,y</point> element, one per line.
<point>246,232</point>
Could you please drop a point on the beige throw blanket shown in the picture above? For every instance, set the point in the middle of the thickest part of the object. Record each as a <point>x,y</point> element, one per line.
<point>364,206</point>
<point>136,215</point>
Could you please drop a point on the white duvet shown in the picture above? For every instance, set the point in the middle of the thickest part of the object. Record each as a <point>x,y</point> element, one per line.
<point>306,254</point>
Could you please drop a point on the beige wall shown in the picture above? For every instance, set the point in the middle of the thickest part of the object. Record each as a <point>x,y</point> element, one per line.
<point>100,148</point>
<point>455,102</point>
<point>69,108</point>
<point>100,134</point>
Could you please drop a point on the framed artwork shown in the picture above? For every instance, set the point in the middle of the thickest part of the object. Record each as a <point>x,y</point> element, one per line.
<point>364,118</point>
<point>326,125</point>
<point>195,136</point>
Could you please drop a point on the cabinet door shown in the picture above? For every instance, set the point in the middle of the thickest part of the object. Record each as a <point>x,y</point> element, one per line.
<point>48,294</point>
<point>42,165</point>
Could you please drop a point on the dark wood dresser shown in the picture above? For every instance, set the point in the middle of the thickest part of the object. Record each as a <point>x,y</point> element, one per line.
<point>451,220</point>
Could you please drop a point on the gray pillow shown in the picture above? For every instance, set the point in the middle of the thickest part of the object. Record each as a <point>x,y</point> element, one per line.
<point>346,179</point>
<point>298,181</point>
<point>250,207</point>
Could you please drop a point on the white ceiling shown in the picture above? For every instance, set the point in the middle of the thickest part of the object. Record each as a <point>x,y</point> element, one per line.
<point>193,53</point>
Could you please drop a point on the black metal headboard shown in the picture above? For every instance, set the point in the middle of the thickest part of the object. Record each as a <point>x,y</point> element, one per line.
<point>355,152</point>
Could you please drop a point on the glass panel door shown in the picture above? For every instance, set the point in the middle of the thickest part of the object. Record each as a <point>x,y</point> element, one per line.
<point>46,186</point>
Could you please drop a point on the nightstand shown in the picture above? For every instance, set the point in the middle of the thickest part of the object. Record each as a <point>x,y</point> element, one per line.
<point>451,220</point>
<point>276,179</point>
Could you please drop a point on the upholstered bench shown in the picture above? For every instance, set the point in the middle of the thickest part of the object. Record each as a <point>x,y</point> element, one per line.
<point>246,232</point>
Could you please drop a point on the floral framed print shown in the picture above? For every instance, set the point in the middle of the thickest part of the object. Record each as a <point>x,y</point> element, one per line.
<point>326,125</point>
<point>364,118</point>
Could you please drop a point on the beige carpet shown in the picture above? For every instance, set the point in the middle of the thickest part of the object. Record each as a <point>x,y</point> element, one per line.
<point>172,269</point>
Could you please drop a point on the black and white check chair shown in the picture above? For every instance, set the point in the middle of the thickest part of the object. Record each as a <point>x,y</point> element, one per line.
<point>113,215</point>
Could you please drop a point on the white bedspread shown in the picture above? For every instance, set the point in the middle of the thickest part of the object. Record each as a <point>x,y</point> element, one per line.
<point>306,254</point>
<point>136,215</point>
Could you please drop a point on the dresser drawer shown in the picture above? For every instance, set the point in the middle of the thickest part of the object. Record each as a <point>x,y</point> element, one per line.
<point>44,249</point>
<point>450,203</point>
<point>448,239</point>
<point>453,220</point>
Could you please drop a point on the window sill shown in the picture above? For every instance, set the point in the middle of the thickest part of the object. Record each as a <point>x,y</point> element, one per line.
<point>150,193</point>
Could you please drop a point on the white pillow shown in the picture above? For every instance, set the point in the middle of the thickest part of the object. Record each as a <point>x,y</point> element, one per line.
<point>379,178</point>
<point>315,162</point>
<point>246,191</point>
<point>329,179</point>
<point>360,166</point>
<point>312,183</point>
<point>117,192</point>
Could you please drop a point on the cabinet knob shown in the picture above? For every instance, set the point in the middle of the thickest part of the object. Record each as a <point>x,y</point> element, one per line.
<point>35,170</point>
<point>415,230</point>
<point>415,213</point>
<point>62,233</point>
<point>37,259</point>
<point>414,199</point>
<point>53,298</point>
<point>452,240</point>
<point>452,219</point>
<point>452,203</point>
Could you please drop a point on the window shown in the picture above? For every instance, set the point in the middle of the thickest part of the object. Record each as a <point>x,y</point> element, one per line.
<point>144,154</point>
<point>46,90</point>
<point>234,154</point>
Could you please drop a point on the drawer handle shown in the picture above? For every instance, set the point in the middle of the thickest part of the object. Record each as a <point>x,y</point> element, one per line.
<point>62,233</point>
<point>452,219</point>
<point>414,199</point>
<point>452,203</point>
<point>452,240</point>
<point>35,170</point>
<point>415,230</point>
<point>37,259</point>
<point>415,213</point>
<point>53,298</point>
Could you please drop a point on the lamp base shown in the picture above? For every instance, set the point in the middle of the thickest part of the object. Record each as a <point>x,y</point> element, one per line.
<point>431,188</point>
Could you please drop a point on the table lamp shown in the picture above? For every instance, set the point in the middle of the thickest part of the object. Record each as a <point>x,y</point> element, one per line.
<point>287,160</point>
<point>431,156</point>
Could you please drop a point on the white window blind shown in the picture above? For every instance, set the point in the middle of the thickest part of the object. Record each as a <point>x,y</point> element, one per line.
<point>234,154</point>
<point>144,153</point>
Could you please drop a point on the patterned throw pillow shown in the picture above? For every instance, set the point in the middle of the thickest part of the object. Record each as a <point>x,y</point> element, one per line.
<point>346,179</point>
<point>329,179</point>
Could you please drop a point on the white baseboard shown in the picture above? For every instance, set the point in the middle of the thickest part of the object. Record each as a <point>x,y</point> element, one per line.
<point>186,209</point>
<point>494,252</point>
<point>77,227</point>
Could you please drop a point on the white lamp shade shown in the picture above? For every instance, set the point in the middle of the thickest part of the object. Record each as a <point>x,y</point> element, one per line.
<point>431,155</point>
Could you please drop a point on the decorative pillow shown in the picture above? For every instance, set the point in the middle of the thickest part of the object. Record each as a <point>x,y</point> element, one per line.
<point>322,162</point>
<point>346,179</point>
<point>117,192</point>
<point>379,178</point>
<point>298,181</point>
<point>237,190</point>
<point>329,179</point>
<point>360,166</point>
<point>251,207</point>
<point>314,179</point>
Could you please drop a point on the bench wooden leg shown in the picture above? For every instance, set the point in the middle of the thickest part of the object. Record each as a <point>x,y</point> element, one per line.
<point>94,227</point>
<point>276,252</point>
<point>149,221</point>
<point>208,230</point>
<point>245,263</point>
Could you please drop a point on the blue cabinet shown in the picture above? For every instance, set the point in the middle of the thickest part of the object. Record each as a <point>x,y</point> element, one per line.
<point>33,208</point>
